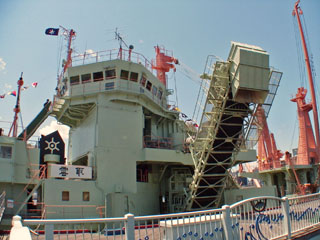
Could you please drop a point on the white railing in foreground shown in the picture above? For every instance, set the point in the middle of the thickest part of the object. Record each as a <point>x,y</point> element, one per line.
<point>255,218</point>
<point>2,203</point>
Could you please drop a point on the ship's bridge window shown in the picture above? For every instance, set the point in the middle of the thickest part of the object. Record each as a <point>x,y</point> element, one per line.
<point>143,80</point>
<point>142,173</point>
<point>86,78</point>
<point>86,196</point>
<point>160,92</point>
<point>74,80</point>
<point>5,152</point>
<point>109,86</point>
<point>124,74</point>
<point>149,85</point>
<point>97,76</point>
<point>65,195</point>
<point>154,90</point>
<point>110,73</point>
<point>134,76</point>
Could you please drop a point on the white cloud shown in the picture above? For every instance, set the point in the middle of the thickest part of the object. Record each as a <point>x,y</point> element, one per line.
<point>141,41</point>
<point>2,64</point>
<point>53,126</point>
<point>91,52</point>
<point>88,54</point>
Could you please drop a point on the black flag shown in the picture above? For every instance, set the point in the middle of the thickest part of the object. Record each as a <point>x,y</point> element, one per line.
<point>52,31</point>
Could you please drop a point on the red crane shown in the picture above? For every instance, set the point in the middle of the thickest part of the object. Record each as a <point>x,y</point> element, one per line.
<point>297,12</point>
<point>268,153</point>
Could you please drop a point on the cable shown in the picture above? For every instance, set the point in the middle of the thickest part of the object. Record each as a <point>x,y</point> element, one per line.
<point>60,41</point>
<point>294,131</point>
<point>175,88</point>
<point>21,121</point>
<point>299,54</point>
<point>313,71</point>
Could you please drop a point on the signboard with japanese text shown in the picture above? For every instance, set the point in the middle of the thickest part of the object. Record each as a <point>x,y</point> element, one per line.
<point>70,171</point>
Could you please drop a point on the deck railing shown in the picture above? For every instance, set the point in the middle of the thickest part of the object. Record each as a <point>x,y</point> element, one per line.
<point>255,218</point>
<point>2,203</point>
<point>113,54</point>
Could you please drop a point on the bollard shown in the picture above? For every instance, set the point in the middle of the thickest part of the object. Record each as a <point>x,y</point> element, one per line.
<point>18,231</point>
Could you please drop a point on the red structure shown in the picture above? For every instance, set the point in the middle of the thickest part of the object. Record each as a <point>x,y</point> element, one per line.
<point>268,154</point>
<point>297,12</point>
<point>71,34</point>
<point>307,150</point>
<point>163,64</point>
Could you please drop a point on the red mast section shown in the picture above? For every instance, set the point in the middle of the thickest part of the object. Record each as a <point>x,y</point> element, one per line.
<point>70,35</point>
<point>268,153</point>
<point>14,126</point>
<point>307,147</point>
<point>163,64</point>
<point>297,12</point>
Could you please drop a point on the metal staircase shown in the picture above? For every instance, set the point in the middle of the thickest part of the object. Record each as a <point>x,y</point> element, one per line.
<point>219,136</point>
<point>235,90</point>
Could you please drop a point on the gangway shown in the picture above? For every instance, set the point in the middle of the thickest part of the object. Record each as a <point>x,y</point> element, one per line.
<point>36,122</point>
<point>236,88</point>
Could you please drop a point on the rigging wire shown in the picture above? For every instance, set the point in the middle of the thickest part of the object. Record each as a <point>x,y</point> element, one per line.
<point>313,71</point>
<point>59,43</point>
<point>21,121</point>
<point>294,131</point>
<point>301,65</point>
<point>175,89</point>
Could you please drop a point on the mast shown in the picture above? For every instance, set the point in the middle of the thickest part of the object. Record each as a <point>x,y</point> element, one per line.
<point>70,36</point>
<point>163,64</point>
<point>14,126</point>
<point>296,12</point>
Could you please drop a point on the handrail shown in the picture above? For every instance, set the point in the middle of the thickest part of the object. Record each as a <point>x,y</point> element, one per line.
<point>64,221</point>
<point>2,203</point>
<point>112,54</point>
<point>273,217</point>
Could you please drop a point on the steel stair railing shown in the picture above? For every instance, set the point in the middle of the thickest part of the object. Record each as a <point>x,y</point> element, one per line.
<point>201,148</point>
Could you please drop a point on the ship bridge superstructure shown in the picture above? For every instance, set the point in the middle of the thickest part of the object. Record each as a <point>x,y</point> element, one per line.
<point>126,76</point>
<point>123,127</point>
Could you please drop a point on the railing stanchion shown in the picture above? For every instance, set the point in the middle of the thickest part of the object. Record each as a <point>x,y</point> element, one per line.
<point>129,226</point>
<point>48,228</point>
<point>226,222</point>
<point>286,214</point>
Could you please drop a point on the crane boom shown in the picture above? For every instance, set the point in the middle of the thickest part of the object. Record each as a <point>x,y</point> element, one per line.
<point>297,12</point>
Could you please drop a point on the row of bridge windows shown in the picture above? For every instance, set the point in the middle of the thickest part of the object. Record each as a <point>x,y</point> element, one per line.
<point>111,74</point>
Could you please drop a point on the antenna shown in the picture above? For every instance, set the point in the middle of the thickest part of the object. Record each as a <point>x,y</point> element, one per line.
<point>121,41</point>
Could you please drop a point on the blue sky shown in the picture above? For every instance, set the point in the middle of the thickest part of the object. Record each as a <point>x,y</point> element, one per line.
<point>191,29</point>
